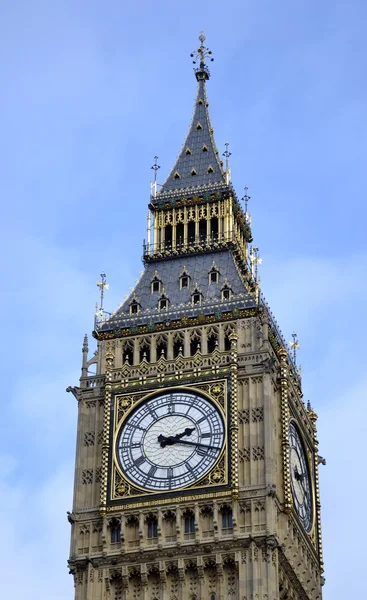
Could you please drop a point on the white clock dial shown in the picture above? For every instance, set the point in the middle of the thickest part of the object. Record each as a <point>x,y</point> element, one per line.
<point>170,441</point>
<point>300,478</point>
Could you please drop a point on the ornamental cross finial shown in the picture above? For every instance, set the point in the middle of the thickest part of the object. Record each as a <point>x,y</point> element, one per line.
<point>246,198</point>
<point>103,285</point>
<point>227,154</point>
<point>155,168</point>
<point>201,54</point>
<point>295,345</point>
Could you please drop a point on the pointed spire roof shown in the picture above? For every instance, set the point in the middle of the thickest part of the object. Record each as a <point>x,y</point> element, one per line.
<point>198,163</point>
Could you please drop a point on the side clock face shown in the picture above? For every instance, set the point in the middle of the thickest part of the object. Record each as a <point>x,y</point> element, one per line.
<point>170,441</point>
<point>300,478</point>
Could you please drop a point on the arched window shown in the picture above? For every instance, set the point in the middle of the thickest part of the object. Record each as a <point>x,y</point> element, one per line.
<point>227,521</point>
<point>115,531</point>
<point>144,350</point>
<point>152,528</point>
<point>191,232</point>
<point>190,524</point>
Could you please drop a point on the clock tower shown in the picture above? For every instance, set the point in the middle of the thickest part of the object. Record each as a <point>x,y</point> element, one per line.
<point>196,474</point>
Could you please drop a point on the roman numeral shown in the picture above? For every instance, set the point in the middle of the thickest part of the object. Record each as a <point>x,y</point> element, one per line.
<point>139,461</point>
<point>152,471</point>
<point>206,435</point>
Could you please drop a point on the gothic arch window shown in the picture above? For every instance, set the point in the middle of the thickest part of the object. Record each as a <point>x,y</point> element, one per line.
<point>132,531</point>
<point>212,339</point>
<point>202,230</point>
<point>195,342</point>
<point>128,352</point>
<point>144,350</point>
<point>152,527</point>
<point>191,232</point>
<point>189,524</point>
<point>178,344</point>
<point>227,519</point>
<point>179,235</point>
<point>169,526</point>
<point>161,346</point>
<point>115,531</point>
<point>214,228</point>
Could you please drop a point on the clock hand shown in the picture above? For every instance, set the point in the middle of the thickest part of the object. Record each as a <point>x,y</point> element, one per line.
<point>174,438</point>
<point>188,431</point>
<point>171,440</point>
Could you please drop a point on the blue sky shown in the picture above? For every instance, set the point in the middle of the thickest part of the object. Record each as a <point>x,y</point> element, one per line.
<point>91,91</point>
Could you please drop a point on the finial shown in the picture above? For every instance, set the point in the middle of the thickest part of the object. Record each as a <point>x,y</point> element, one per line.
<point>255,261</point>
<point>201,54</point>
<point>85,343</point>
<point>295,345</point>
<point>155,167</point>
<point>102,286</point>
<point>227,154</point>
<point>246,199</point>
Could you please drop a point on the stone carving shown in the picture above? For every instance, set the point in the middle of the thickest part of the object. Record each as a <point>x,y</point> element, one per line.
<point>89,437</point>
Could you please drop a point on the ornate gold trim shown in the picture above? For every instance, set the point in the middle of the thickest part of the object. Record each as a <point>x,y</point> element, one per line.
<point>284,411</point>
<point>120,486</point>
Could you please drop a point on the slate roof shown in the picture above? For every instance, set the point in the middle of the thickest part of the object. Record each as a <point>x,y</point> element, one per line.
<point>198,153</point>
<point>180,300</point>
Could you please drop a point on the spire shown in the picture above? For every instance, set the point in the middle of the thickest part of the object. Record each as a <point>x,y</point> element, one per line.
<point>198,163</point>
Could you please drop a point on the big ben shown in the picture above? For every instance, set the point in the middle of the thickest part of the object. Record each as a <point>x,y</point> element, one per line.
<point>196,474</point>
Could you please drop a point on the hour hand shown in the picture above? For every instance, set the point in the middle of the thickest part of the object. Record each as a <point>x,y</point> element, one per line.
<point>188,431</point>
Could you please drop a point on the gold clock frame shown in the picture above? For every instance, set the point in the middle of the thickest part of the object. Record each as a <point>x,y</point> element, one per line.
<point>310,465</point>
<point>121,489</point>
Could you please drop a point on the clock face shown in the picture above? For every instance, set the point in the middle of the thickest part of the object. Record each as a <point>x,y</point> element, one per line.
<point>170,441</point>
<point>300,478</point>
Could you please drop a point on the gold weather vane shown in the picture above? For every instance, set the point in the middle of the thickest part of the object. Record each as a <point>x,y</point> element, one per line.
<point>295,346</point>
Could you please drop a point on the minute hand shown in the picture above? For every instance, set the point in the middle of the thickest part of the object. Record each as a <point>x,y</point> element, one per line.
<point>197,444</point>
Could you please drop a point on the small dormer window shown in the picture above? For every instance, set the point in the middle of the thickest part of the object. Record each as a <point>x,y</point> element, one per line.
<point>184,279</point>
<point>200,101</point>
<point>199,126</point>
<point>196,298</point>
<point>226,291</point>
<point>134,307</point>
<point>156,283</point>
<point>210,169</point>
<point>163,304</point>
<point>205,148</point>
<point>177,175</point>
<point>187,151</point>
<point>214,274</point>
<point>193,172</point>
